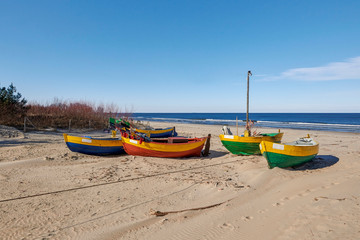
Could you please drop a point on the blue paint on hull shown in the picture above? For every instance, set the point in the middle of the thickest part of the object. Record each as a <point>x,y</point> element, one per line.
<point>94,150</point>
<point>164,135</point>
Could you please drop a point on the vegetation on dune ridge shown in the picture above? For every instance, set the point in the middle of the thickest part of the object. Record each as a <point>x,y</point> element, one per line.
<point>57,114</point>
<point>12,106</point>
<point>61,114</point>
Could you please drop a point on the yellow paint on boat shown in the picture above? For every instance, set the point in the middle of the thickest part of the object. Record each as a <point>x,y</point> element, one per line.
<point>164,147</point>
<point>255,139</point>
<point>288,149</point>
<point>105,142</point>
<point>154,131</point>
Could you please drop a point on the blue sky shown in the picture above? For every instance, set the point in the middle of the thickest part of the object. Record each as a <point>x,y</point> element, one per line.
<point>185,56</point>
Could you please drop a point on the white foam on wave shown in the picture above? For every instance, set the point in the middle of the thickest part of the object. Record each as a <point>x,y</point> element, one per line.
<point>262,123</point>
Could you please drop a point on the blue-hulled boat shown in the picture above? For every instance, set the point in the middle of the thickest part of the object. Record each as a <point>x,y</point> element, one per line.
<point>94,146</point>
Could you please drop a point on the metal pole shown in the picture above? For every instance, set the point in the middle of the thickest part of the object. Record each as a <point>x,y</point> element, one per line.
<point>237,132</point>
<point>247,105</point>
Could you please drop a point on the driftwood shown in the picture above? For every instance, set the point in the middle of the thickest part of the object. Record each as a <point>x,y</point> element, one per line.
<point>338,199</point>
<point>159,213</point>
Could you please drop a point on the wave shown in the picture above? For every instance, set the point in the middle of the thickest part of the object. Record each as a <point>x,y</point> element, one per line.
<point>260,123</point>
<point>308,123</point>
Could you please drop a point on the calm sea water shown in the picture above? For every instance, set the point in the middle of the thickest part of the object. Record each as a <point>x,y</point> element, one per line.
<point>341,122</point>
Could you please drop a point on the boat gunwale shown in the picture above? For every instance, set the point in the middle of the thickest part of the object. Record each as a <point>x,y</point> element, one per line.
<point>94,141</point>
<point>290,150</point>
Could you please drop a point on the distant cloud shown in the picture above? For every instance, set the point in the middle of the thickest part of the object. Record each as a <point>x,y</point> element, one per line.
<point>349,69</point>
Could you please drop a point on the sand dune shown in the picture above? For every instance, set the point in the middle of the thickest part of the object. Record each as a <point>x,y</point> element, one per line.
<point>49,192</point>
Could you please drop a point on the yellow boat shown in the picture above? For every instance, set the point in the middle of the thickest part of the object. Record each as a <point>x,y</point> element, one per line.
<point>289,154</point>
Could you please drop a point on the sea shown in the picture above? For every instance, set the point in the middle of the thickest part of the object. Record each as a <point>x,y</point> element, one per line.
<point>340,122</point>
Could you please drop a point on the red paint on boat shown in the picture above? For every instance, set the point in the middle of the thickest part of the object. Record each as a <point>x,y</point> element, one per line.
<point>138,151</point>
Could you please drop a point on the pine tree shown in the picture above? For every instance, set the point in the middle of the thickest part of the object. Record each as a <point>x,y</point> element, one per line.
<point>12,107</point>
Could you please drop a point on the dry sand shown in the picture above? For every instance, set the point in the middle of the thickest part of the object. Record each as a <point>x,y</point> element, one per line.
<point>49,192</point>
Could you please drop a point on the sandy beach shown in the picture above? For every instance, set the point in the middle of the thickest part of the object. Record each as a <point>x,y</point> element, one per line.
<point>49,192</point>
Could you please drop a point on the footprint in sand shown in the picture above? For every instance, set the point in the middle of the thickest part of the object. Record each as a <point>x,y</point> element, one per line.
<point>330,186</point>
<point>263,211</point>
<point>227,226</point>
<point>303,194</point>
<point>327,186</point>
<point>246,218</point>
<point>278,204</point>
<point>284,199</point>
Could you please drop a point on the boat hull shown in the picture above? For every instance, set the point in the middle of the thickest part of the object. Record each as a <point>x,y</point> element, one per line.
<point>159,133</point>
<point>94,146</point>
<point>164,150</point>
<point>282,155</point>
<point>247,145</point>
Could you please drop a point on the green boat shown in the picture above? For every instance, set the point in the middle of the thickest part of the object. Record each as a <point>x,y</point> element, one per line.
<point>289,154</point>
<point>248,145</point>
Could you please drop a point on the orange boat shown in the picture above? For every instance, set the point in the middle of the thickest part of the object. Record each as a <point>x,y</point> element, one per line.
<point>172,147</point>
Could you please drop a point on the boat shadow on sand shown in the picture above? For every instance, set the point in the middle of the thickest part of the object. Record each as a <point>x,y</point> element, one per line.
<point>321,161</point>
<point>216,154</point>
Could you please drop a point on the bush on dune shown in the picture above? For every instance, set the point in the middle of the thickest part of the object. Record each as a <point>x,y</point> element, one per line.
<point>12,107</point>
<point>61,114</point>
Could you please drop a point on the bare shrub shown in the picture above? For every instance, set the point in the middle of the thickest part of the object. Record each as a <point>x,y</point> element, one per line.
<point>82,114</point>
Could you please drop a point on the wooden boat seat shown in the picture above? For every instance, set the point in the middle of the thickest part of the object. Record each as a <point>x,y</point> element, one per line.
<point>177,140</point>
<point>170,140</point>
<point>301,142</point>
<point>160,140</point>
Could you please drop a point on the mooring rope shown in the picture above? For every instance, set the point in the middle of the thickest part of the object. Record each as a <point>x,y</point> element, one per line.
<point>113,182</point>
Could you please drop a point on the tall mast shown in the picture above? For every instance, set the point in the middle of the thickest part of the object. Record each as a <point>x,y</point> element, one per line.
<point>247,105</point>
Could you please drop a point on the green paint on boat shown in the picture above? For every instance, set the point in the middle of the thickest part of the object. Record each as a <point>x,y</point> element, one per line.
<point>283,161</point>
<point>242,148</point>
<point>269,134</point>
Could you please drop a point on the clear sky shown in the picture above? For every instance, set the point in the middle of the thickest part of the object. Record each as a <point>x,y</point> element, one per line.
<point>185,56</point>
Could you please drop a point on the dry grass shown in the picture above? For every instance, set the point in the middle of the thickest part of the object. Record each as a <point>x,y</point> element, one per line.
<point>59,114</point>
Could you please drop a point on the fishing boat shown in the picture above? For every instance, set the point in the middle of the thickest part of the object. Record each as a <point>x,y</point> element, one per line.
<point>150,132</point>
<point>158,132</point>
<point>172,147</point>
<point>289,154</point>
<point>248,143</point>
<point>94,146</point>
